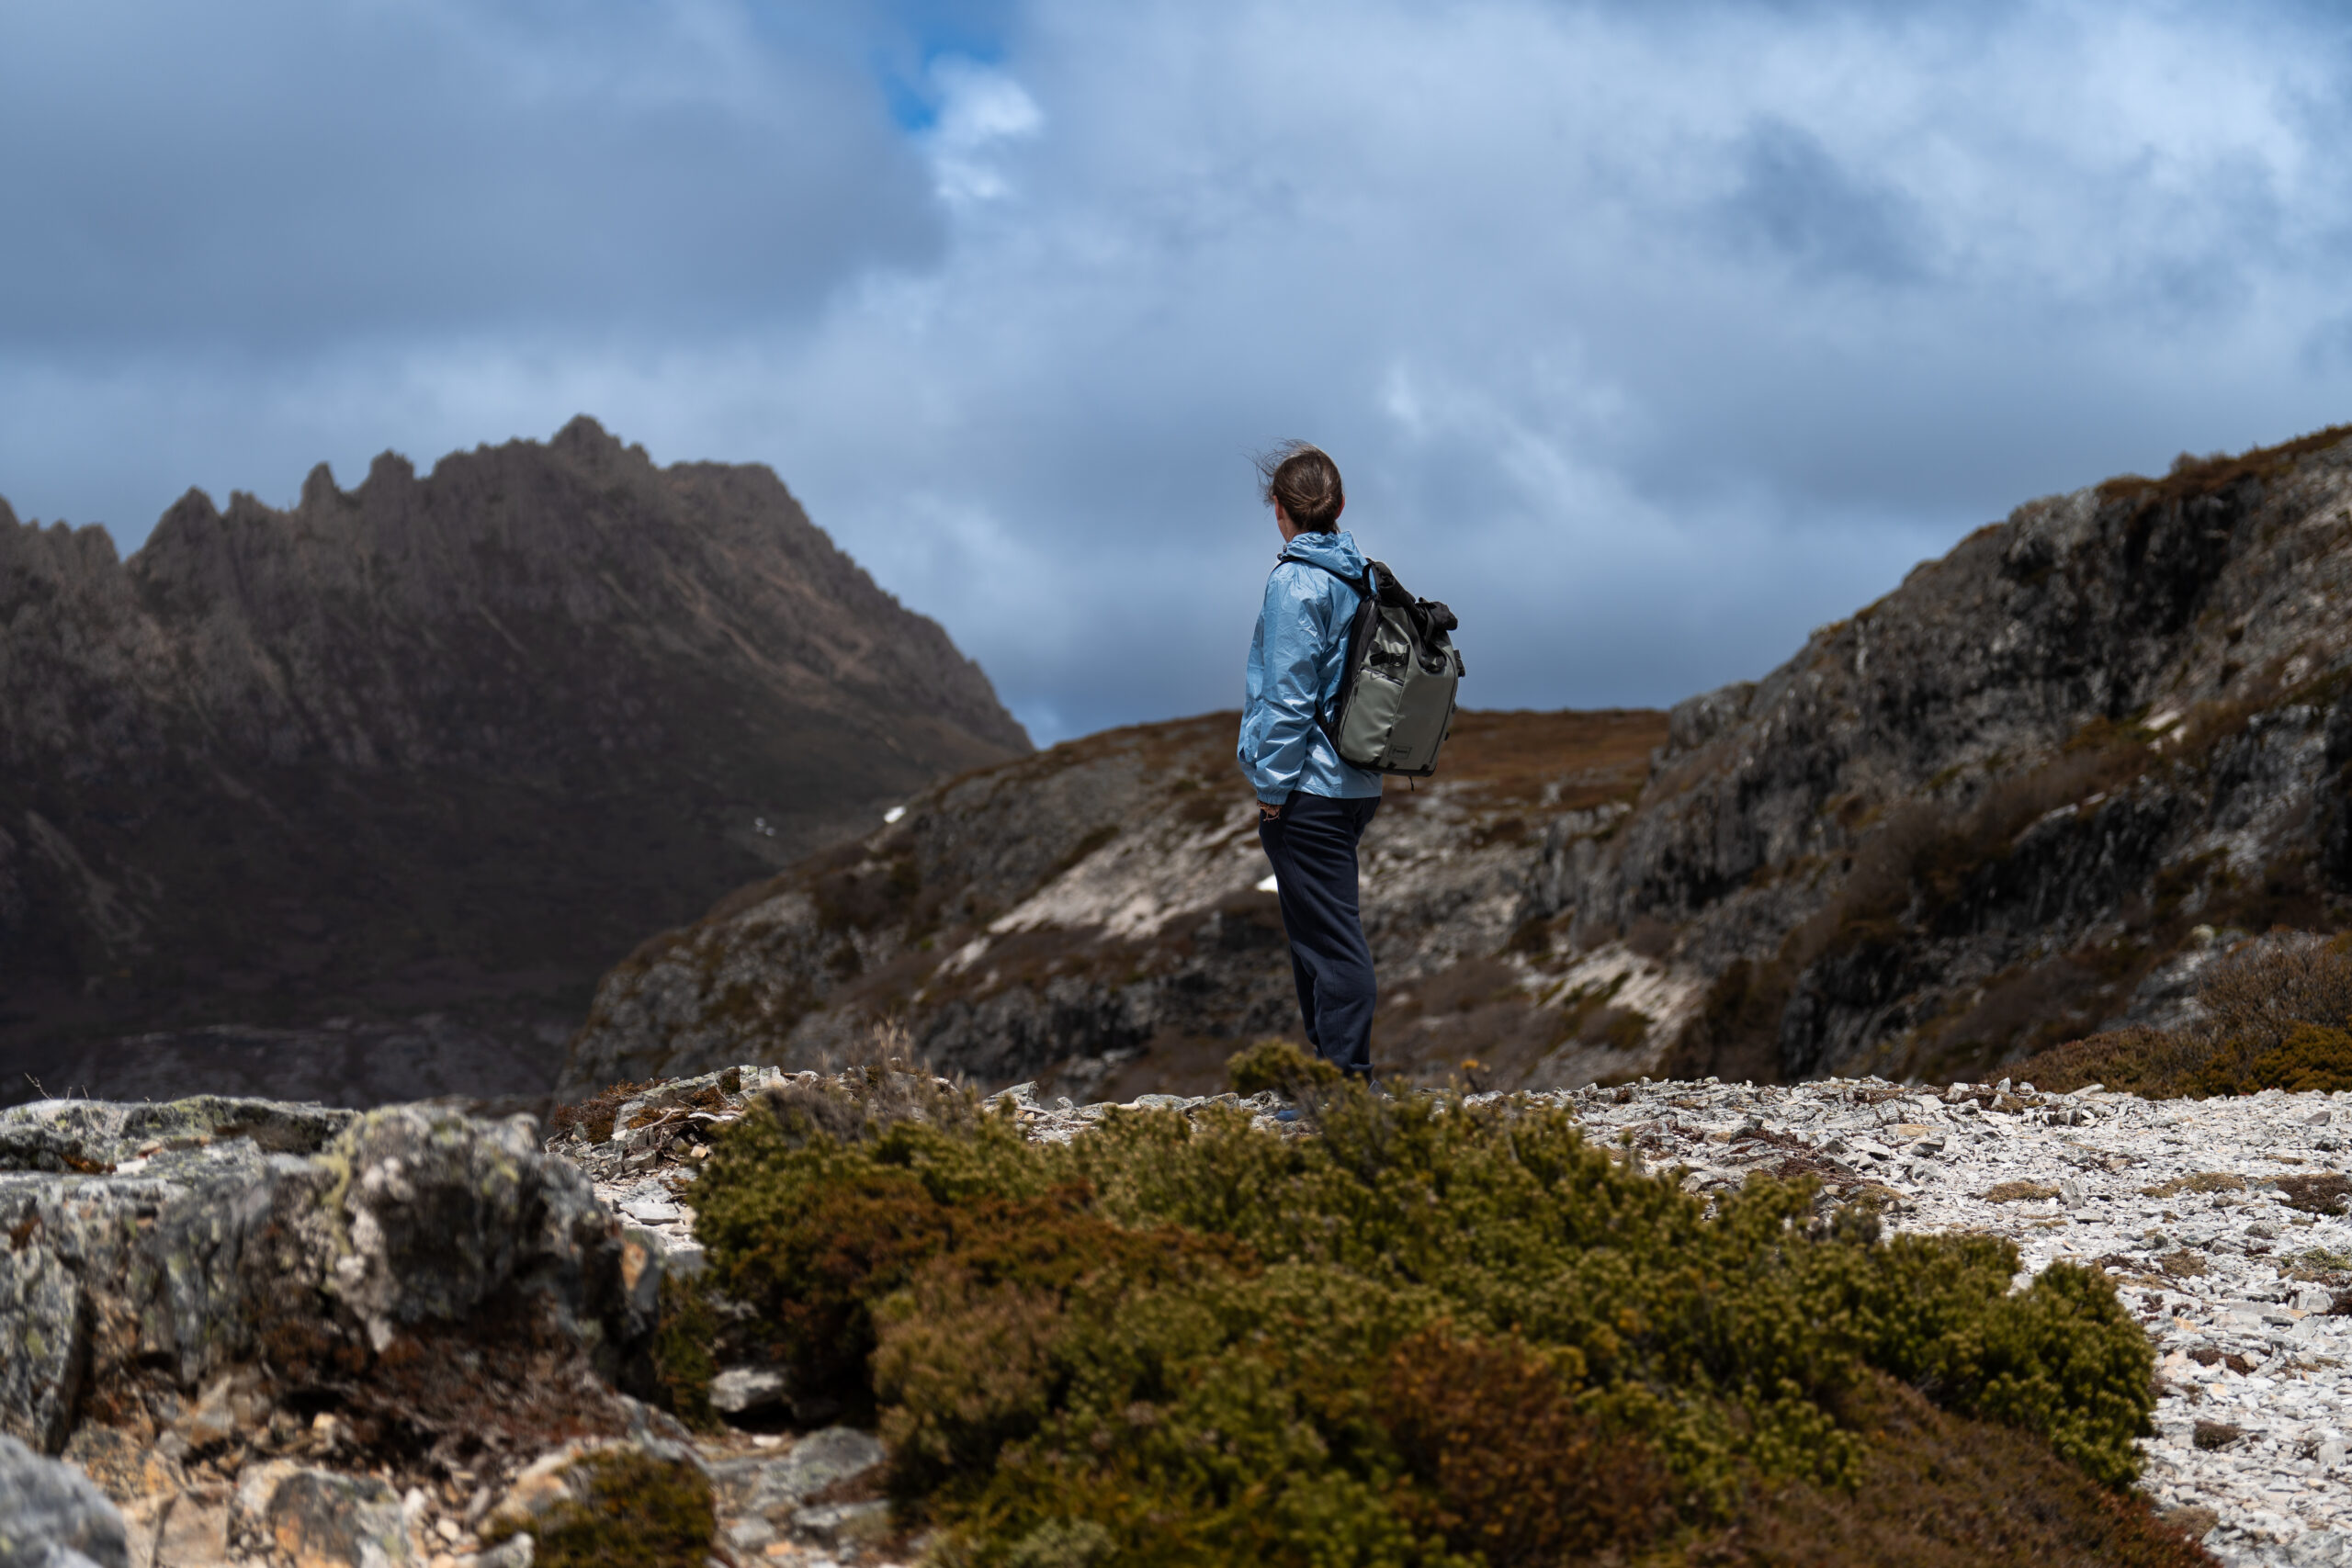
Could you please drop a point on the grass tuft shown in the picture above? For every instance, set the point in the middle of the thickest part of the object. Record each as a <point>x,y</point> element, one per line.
<point>1280,1064</point>
<point>2020,1192</point>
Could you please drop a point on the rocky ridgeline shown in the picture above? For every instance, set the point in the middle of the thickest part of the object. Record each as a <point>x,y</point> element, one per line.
<point>232,1313</point>
<point>1100,919</point>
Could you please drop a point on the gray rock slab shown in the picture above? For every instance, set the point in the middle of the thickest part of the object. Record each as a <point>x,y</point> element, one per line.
<point>742,1391</point>
<point>769,1486</point>
<point>842,1524</point>
<point>324,1515</point>
<point>52,1515</point>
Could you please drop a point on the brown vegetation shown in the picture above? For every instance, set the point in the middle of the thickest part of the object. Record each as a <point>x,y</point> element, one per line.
<point>1937,1491</point>
<point>1569,760</point>
<point>2193,478</point>
<point>2278,1015</point>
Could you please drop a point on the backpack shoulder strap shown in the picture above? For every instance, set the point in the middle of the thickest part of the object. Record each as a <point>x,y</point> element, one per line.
<point>1347,649</point>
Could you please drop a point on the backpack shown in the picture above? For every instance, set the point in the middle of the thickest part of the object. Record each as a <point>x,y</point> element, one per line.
<point>1394,705</point>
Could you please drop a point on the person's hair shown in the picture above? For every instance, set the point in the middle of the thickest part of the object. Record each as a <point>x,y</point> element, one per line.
<point>1301,478</point>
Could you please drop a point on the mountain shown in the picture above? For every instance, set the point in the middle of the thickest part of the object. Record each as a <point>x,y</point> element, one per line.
<point>404,768</point>
<point>2029,794</point>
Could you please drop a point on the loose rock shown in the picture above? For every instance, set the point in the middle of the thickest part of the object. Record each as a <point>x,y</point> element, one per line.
<point>320,1518</point>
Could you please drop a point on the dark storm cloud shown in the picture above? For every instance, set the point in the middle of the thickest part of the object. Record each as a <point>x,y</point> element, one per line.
<point>1796,201</point>
<point>276,176</point>
<point>1649,335</point>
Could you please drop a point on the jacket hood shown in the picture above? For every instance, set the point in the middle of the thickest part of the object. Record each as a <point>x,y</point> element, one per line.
<point>1337,551</point>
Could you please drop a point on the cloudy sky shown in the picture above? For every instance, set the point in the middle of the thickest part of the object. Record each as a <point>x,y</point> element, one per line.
<point>1649,335</point>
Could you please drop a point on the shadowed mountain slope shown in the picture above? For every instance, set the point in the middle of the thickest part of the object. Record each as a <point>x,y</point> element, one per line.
<point>2031,792</point>
<point>443,746</point>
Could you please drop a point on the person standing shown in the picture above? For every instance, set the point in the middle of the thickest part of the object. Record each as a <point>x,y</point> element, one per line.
<point>1313,806</point>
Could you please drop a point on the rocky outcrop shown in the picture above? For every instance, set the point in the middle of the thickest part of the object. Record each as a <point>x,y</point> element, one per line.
<point>267,1332</point>
<point>204,1267</point>
<point>1973,818</point>
<point>446,746</point>
<point>2024,796</point>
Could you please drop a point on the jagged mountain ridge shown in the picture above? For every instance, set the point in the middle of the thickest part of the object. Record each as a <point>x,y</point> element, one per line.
<point>2027,794</point>
<point>443,744</point>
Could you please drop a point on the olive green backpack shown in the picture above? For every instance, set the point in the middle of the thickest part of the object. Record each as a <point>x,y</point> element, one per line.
<point>1394,705</point>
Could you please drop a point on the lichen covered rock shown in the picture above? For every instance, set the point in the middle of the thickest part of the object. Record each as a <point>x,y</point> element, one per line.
<point>180,1241</point>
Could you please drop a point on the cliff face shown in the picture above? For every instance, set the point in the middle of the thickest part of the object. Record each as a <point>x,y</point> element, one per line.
<point>2017,798</point>
<point>2030,792</point>
<point>443,745</point>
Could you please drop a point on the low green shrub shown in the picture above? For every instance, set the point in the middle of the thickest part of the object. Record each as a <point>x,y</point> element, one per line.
<point>2312,1056</point>
<point>684,1365</point>
<point>630,1510</point>
<point>1279,1064</point>
<point>1435,1334</point>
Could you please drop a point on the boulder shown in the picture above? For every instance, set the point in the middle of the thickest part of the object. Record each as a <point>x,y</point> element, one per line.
<point>51,1516</point>
<point>744,1390</point>
<point>777,1489</point>
<point>193,1532</point>
<point>436,1214</point>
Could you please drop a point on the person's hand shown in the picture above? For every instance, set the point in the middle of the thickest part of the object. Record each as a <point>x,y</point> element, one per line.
<point>1268,813</point>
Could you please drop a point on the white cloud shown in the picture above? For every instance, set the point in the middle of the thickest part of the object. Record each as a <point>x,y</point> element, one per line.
<point>980,107</point>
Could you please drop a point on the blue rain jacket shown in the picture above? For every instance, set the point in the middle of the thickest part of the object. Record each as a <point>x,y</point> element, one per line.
<point>1296,661</point>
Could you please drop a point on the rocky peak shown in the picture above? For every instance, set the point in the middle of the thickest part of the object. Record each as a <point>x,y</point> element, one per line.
<point>428,739</point>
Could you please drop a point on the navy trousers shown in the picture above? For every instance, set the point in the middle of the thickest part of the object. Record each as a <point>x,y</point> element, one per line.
<point>1313,846</point>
